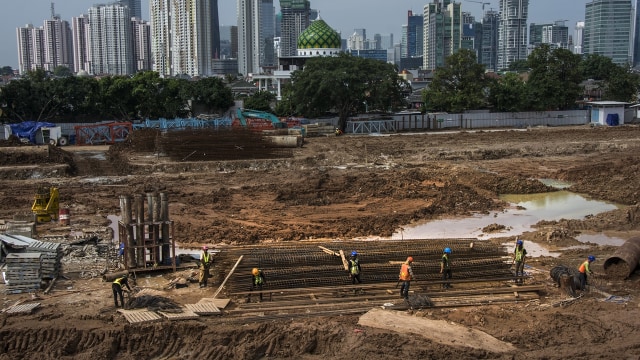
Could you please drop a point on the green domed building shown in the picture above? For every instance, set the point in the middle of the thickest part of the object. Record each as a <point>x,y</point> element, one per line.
<point>319,39</point>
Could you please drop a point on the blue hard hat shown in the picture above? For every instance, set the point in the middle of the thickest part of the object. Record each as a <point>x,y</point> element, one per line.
<point>591,258</point>
<point>519,242</point>
<point>354,253</point>
<point>447,250</point>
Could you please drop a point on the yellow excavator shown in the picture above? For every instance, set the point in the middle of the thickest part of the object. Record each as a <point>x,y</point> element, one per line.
<point>46,204</point>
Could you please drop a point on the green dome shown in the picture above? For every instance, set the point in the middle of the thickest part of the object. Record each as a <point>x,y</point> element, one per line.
<point>319,35</point>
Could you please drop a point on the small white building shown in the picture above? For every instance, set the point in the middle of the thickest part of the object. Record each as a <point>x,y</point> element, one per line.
<point>607,112</point>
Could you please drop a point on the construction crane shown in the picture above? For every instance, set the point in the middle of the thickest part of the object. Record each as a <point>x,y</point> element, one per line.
<point>480,2</point>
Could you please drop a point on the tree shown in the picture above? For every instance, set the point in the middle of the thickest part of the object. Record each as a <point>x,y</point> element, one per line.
<point>260,101</point>
<point>622,85</point>
<point>458,85</point>
<point>343,83</point>
<point>509,93</point>
<point>554,78</point>
<point>62,71</point>
<point>519,66</point>
<point>6,70</point>
<point>596,67</point>
<point>212,93</point>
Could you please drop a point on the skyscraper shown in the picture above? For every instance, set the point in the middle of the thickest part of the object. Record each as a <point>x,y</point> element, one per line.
<point>110,39</point>
<point>141,44</point>
<point>512,34</point>
<point>608,28</point>
<point>135,7</point>
<point>488,55</point>
<point>267,33</point>
<point>30,48</point>
<point>185,36</point>
<point>412,42</point>
<point>58,44</point>
<point>636,36</point>
<point>249,36</point>
<point>80,33</point>
<point>295,19</point>
<point>442,32</point>
<point>579,37</point>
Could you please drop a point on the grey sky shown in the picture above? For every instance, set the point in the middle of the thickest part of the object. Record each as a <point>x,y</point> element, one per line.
<point>376,16</point>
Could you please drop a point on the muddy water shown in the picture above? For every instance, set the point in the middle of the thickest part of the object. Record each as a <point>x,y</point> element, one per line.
<point>525,211</point>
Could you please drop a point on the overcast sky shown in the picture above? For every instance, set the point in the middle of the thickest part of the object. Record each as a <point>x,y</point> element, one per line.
<point>376,16</point>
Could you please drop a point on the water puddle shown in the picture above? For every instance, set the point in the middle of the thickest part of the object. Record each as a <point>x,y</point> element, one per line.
<point>525,211</point>
<point>600,239</point>
<point>533,249</point>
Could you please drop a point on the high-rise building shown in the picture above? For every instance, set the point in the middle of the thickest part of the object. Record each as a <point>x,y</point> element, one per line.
<point>488,55</point>
<point>512,34</point>
<point>471,33</point>
<point>58,44</point>
<point>110,39</point>
<point>30,48</point>
<point>267,33</point>
<point>579,37</point>
<point>355,42</point>
<point>442,32</point>
<point>555,35</point>
<point>412,41</point>
<point>80,31</point>
<point>141,44</point>
<point>295,19</point>
<point>636,36</point>
<point>249,36</point>
<point>185,36</point>
<point>135,7</point>
<point>608,28</point>
<point>386,41</point>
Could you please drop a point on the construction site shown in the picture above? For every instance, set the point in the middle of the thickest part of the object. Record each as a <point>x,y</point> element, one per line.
<point>75,218</point>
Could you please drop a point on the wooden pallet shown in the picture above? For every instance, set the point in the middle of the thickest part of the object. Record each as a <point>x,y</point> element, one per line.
<point>203,308</point>
<point>219,303</point>
<point>23,309</point>
<point>186,314</point>
<point>140,316</point>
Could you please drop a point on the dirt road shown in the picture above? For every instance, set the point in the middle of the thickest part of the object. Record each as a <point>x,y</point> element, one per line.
<point>340,188</point>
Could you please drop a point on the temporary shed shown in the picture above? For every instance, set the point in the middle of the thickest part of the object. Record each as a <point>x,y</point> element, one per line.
<point>607,112</point>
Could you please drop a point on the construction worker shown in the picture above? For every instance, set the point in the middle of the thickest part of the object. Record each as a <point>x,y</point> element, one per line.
<point>257,281</point>
<point>205,265</point>
<point>354,268</point>
<point>445,268</point>
<point>519,255</point>
<point>585,269</point>
<point>117,285</point>
<point>406,275</point>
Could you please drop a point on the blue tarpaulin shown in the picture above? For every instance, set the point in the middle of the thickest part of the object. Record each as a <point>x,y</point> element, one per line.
<point>28,129</point>
<point>613,120</point>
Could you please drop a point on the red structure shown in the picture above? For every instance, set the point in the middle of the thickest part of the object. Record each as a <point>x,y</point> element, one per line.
<point>100,134</point>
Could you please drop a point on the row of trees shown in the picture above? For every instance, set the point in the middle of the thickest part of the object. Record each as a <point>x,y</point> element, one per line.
<point>552,82</point>
<point>40,97</point>
<point>344,84</point>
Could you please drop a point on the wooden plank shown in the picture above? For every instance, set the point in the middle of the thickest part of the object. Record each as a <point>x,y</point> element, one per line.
<point>203,308</point>
<point>219,303</point>
<point>344,261</point>
<point>186,314</point>
<point>140,316</point>
<point>228,276</point>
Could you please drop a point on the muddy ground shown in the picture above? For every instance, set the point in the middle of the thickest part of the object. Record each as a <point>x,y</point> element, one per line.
<point>340,188</point>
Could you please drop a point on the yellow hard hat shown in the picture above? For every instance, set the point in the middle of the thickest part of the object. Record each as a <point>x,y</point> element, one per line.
<point>255,271</point>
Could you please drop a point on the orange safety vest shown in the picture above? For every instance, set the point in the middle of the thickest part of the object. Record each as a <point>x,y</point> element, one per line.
<point>405,275</point>
<point>584,267</point>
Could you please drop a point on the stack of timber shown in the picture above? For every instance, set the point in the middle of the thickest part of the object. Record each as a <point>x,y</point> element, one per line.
<point>23,272</point>
<point>51,257</point>
<point>319,129</point>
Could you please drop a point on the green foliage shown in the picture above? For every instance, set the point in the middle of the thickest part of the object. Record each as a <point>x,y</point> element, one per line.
<point>62,71</point>
<point>554,79</point>
<point>6,70</point>
<point>285,107</point>
<point>519,66</point>
<point>343,84</point>
<point>622,85</point>
<point>509,93</point>
<point>145,95</point>
<point>596,67</point>
<point>457,86</point>
<point>261,101</point>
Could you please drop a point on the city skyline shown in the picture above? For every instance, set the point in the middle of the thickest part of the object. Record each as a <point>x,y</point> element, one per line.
<point>343,16</point>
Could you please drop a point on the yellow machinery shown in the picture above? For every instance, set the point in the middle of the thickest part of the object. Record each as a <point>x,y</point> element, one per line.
<point>46,204</point>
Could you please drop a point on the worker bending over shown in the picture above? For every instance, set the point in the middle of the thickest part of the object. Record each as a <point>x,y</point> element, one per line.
<point>117,285</point>
<point>585,269</point>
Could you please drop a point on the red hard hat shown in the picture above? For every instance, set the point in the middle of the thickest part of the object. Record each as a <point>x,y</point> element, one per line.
<point>410,259</point>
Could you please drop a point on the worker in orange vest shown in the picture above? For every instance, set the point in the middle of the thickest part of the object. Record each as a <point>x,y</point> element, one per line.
<point>585,269</point>
<point>406,275</point>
